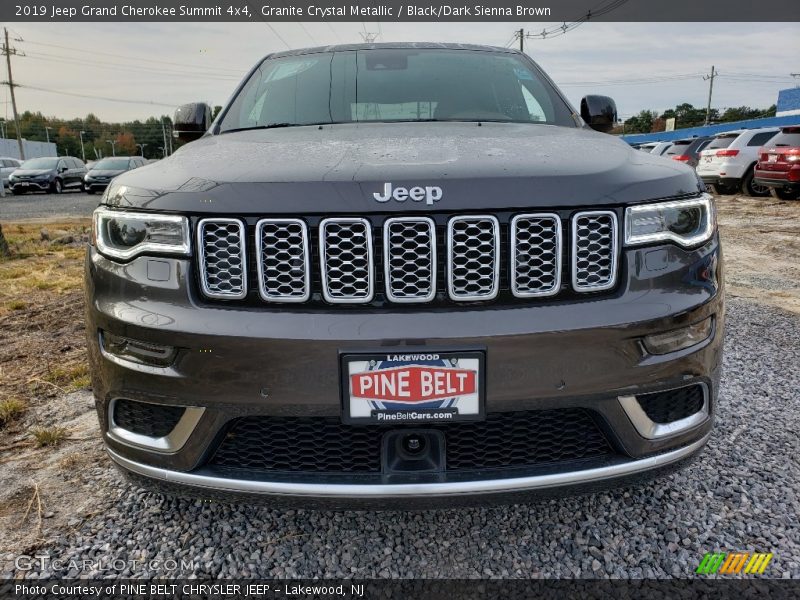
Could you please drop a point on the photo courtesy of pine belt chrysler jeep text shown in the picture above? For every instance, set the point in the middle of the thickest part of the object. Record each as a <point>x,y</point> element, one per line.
<point>403,275</point>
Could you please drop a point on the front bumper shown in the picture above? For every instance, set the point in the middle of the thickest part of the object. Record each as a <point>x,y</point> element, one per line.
<point>95,185</point>
<point>30,185</point>
<point>546,355</point>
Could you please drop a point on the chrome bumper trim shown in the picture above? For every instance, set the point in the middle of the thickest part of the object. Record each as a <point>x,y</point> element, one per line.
<point>169,444</point>
<point>518,484</point>
<point>654,431</point>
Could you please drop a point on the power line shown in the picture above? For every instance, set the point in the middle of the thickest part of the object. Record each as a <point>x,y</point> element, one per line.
<point>149,60</point>
<point>123,67</point>
<point>564,28</point>
<point>92,97</point>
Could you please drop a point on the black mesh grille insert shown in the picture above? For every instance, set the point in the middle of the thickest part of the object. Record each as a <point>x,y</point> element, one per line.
<point>154,420</point>
<point>324,444</point>
<point>665,407</point>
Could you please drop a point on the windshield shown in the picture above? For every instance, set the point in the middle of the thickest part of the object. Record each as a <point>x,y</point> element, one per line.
<point>395,85</point>
<point>112,164</point>
<point>40,163</point>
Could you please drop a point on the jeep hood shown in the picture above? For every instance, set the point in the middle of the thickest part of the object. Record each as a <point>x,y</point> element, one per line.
<point>338,168</point>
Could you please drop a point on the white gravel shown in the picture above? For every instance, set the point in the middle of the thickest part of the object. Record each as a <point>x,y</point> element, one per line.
<point>742,494</point>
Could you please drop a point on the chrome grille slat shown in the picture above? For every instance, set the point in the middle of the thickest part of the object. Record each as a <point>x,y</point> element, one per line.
<point>409,258</point>
<point>223,260</point>
<point>535,255</point>
<point>346,260</point>
<point>473,257</point>
<point>594,250</point>
<point>283,257</point>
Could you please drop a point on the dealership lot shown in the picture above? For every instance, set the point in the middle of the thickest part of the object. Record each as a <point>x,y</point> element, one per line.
<point>741,494</point>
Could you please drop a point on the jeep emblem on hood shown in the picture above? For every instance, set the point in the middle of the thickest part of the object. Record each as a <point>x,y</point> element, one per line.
<point>430,194</point>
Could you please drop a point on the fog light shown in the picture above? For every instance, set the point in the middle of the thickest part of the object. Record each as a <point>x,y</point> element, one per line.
<point>143,353</point>
<point>672,341</point>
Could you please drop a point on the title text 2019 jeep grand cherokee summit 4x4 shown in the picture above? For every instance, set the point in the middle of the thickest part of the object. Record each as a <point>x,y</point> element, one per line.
<point>401,273</point>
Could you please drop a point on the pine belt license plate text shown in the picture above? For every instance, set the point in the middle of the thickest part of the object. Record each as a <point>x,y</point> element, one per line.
<point>413,387</point>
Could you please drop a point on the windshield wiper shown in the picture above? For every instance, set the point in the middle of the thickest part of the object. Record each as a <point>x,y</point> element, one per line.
<point>268,126</point>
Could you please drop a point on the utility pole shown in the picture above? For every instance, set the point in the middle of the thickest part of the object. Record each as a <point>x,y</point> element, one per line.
<point>710,79</point>
<point>521,34</point>
<point>3,128</point>
<point>142,147</point>
<point>164,133</point>
<point>47,133</point>
<point>8,51</point>
<point>83,152</point>
<point>113,147</point>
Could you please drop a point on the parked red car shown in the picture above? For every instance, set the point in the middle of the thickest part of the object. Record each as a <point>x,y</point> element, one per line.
<point>778,165</point>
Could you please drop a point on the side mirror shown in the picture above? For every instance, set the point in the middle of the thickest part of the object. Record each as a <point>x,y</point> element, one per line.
<point>599,112</point>
<point>63,170</point>
<point>192,121</point>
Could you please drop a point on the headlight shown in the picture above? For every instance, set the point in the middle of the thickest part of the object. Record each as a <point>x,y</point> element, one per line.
<point>686,222</point>
<point>123,235</point>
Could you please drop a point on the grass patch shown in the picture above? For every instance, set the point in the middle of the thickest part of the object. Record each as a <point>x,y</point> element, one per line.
<point>49,436</point>
<point>11,409</point>
<point>17,305</point>
<point>74,377</point>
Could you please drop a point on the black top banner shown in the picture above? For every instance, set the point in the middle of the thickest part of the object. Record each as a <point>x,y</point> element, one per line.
<point>526,11</point>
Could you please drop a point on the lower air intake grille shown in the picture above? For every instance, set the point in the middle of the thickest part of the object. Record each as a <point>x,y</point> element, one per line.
<point>672,405</point>
<point>222,258</point>
<point>325,444</point>
<point>152,420</point>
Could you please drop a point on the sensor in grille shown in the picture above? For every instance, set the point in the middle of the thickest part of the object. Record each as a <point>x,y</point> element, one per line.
<point>222,258</point>
<point>594,250</point>
<point>346,260</point>
<point>409,257</point>
<point>282,254</point>
<point>143,418</point>
<point>473,258</point>
<point>672,405</point>
<point>535,255</point>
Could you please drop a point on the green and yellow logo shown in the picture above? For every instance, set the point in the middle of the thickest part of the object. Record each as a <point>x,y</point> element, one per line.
<point>733,563</point>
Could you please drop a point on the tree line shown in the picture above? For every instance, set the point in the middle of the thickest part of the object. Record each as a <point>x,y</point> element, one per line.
<point>686,115</point>
<point>97,135</point>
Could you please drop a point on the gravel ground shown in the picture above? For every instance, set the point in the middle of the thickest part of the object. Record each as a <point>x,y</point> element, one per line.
<point>742,494</point>
<point>47,206</point>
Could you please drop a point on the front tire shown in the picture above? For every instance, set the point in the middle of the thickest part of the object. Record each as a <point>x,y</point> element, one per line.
<point>88,190</point>
<point>56,187</point>
<point>751,188</point>
<point>784,193</point>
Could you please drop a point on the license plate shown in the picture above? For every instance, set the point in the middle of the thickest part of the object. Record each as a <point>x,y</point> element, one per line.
<point>772,158</point>
<point>413,387</point>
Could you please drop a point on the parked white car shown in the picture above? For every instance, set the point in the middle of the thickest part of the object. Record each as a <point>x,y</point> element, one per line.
<point>726,164</point>
<point>660,148</point>
<point>7,166</point>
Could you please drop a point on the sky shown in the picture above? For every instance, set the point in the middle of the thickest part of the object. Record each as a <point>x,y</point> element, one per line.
<point>154,67</point>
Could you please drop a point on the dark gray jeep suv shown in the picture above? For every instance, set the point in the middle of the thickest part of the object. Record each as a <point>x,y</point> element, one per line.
<point>399,275</point>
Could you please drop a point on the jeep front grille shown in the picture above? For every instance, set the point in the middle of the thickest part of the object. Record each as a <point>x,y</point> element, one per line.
<point>346,260</point>
<point>282,257</point>
<point>594,250</point>
<point>535,255</point>
<point>415,259</point>
<point>222,258</point>
<point>473,257</point>
<point>409,258</point>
